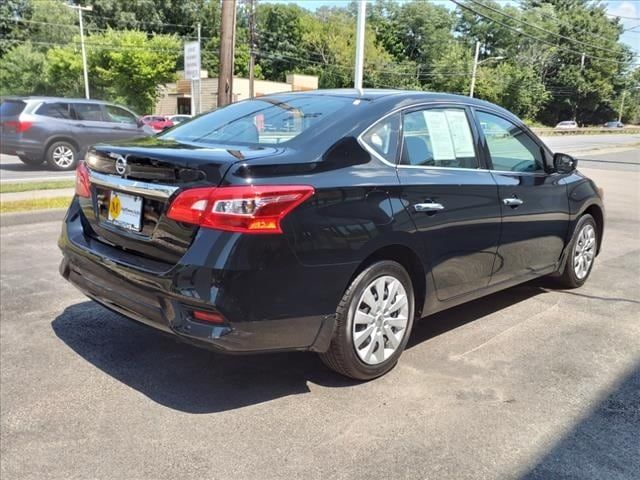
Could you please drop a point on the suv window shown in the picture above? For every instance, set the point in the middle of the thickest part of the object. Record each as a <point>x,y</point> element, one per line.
<point>383,137</point>
<point>88,111</point>
<point>55,110</point>
<point>11,108</point>
<point>119,115</point>
<point>438,137</point>
<point>510,147</point>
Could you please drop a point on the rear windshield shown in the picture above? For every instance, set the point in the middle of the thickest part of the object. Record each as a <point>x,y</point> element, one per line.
<point>11,108</point>
<point>261,122</point>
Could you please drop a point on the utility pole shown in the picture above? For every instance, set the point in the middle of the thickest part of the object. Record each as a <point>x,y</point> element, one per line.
<point>199,111</point>
<point>624,92</point>
<point>252,46</point>
<point>582,62</point>
<point>360,30</point>
<point>476,63</point>
<point>475,70</point>
<point>80,9</point>
<point>227,44</point>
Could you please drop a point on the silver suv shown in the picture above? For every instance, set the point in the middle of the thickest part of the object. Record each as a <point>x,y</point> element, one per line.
<point>59,130</point>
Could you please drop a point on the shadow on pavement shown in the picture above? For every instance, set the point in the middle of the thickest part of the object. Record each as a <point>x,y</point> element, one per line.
<point>195,380</point>
<point>603,445</point>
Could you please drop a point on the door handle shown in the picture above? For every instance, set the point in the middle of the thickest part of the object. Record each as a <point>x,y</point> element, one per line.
<point>512,202</point>
<point>428,207</point>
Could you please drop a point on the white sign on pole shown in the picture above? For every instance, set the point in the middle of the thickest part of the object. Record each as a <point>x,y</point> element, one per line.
<point>192,61</point>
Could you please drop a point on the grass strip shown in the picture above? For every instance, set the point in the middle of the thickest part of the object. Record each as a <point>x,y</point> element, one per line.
<point>34,204</point>
<point>31,186</point>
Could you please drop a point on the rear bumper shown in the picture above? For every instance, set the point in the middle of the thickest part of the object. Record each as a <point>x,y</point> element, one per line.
<point>21,147</point>
<point>166,299</point>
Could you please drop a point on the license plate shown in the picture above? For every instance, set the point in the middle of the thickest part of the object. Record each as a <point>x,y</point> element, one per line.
<point>125,211</point>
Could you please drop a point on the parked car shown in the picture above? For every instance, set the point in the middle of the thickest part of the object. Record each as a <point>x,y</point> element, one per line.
<point>567,125</point>
<point>614,124</point>
<point>381,207</point>
<point>59,130</point>
<point>157,122</point>
<point>176,119</point>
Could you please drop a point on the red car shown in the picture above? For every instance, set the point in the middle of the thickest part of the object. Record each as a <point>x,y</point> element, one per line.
<point>157,122</point>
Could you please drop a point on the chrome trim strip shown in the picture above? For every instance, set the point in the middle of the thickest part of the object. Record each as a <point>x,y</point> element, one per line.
<point>155,190</point>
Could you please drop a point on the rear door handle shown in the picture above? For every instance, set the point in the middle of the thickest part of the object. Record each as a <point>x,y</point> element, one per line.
<point>512,202</point>
<point>428,207</point>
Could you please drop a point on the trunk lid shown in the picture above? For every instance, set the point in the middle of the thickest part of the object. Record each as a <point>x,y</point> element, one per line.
<point>144,175</point>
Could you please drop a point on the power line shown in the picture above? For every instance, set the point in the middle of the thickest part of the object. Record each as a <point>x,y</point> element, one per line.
<point>542,29</point>
<point>96,29</point>
<point>97,45</point>
<point>543,14</point>
<point>533,37</point>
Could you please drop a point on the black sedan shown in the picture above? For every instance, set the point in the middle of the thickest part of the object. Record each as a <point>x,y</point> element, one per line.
<point>353,214</point>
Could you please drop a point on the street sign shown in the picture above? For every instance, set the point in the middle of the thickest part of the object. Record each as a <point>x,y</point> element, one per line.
<point>192,61</point>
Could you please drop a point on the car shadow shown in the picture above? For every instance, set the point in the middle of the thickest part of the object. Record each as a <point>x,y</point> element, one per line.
<point>602,444</point>
<point>195,380</point>
<point>22,167</point>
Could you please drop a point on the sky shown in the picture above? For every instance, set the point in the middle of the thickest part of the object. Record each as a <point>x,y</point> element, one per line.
<point>628,10</point>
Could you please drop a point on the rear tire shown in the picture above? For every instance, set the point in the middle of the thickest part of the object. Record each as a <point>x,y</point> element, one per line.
<point>62,156</point>
<point>373,322</point>
<point>581,254</point>
<point>32,162</point>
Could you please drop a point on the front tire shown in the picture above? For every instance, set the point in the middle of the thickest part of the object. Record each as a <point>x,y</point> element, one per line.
<point>373,322</point>
<point>62,156</point>
<point>581,255</point>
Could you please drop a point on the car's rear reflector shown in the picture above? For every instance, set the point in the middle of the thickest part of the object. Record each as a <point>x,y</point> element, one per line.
<point>18,126</point>
<point>83,184</point>
<point>210,317</point>
<point>246,209</point>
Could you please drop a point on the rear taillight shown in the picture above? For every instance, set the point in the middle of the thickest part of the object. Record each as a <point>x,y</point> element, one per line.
<point>18,126</point>
<point>247,209</point>
<point>83,184</point>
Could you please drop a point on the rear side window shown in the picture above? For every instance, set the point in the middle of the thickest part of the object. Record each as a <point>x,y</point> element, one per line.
<point>55,110</point>
<point>511,149</point>
<point>88,111</point>
<point>438,137</point>
<point>119,115</point>
<point>11,108</point>
<point>383,137</point>
<point>261,121</point>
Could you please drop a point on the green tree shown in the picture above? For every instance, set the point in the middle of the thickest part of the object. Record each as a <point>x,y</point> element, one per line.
<point>21,70</point>
<point>128,66</point>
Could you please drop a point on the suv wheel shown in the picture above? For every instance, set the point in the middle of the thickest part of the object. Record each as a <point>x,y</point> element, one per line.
<point>373,322</point>
<point>62,156</point>
<point>31,161</point>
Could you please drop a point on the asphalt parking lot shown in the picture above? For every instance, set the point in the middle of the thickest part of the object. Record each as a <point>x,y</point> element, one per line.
<point>529,383</point>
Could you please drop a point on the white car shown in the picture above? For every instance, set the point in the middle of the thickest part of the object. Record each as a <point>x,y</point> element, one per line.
<point>179,118</point>
<point>567,125</point>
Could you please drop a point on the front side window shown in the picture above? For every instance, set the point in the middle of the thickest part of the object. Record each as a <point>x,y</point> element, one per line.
<point>119,115</point>
<point>438,137</point>
<point>88,111</point>
<point>383,137</point>
<point>511,149</point>
<point>55,110</point>
<point>261,121</point>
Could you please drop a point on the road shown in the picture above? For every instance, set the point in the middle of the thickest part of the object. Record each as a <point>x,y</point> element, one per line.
<point>13,170</point>
<point>529,383</point>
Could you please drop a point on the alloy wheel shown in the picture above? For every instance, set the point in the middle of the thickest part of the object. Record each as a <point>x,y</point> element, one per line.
<point>585,251</point>
<point>63,156</point>
<point>380,320</point>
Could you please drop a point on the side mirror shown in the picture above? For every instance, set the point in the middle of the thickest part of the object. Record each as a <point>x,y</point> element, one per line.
<point>139,122</point>
<point>564,163</point>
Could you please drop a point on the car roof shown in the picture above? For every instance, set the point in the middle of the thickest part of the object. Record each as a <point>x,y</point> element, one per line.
<point>37,98</point>
<point>403,98</point>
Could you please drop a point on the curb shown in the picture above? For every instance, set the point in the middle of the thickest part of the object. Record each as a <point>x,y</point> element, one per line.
<point>36,216</point>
